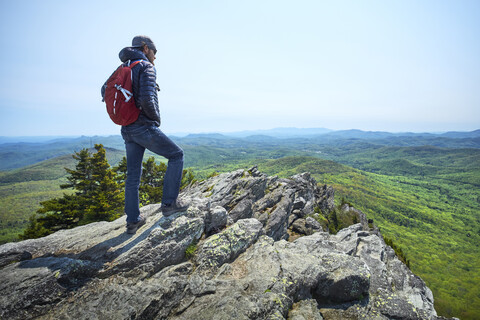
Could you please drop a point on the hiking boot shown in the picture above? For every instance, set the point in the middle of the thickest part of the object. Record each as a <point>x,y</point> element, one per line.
<point>177,206</point>
<point>132,227</point>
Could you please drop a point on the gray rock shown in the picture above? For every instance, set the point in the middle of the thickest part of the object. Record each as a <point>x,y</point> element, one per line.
<point>118,297</point>
<point>40,283</point>
<point>240,265</point>
<point>227,245</point>
<point>326,198</point>
<point>9,256</point>
<point>306,226</point>
<point>95,241</point>
<point>216,220</point>
<point>267,279</point>
<point>312,224</point>
<point>161,248</point>
<point>305,310</point>
<point>242,210</point>
<point>299,226</point>
<point>347,279</point>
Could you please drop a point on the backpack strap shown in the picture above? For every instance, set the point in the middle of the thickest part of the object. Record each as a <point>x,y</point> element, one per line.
<point>133,64</point>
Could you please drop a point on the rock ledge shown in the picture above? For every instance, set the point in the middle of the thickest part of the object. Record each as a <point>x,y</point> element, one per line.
<point>240,264</point>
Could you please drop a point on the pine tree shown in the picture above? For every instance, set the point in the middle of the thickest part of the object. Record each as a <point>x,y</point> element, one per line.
<point>151,183</point>
<point>121,172</point>
<point>98,196</point>
<point>34,230</point>
<point>80,179</point>
<point>105,199</point>
<point>60,213</point>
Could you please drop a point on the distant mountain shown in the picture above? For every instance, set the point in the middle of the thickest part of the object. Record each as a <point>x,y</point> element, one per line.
<point>20,154</point>
<point>352,133</point>
<point>33,139</point>
<point>53,168</point>
<point>85,141</point>
<point>280,132</point>
<point>205,136</point>
<point>359,134</point>
<point>459,135</point>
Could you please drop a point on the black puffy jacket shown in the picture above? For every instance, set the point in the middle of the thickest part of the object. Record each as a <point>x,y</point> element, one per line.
<point>145,87</point>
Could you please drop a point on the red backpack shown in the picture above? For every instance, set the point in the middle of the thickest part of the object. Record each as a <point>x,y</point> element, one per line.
<point>119,96</point>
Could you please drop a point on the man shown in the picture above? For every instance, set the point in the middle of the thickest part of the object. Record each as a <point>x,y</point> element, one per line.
<point>144,133</point>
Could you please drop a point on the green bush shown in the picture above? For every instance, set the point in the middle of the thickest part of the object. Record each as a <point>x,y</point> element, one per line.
<point>191,250</point>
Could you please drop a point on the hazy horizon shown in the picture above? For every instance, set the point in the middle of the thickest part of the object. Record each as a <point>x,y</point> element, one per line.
<point>183,134</point>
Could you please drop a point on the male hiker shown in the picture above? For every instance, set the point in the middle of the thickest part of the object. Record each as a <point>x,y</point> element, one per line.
<point>144,133</point>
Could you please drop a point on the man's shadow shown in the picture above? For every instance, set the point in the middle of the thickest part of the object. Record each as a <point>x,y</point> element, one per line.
<point>100,252</point>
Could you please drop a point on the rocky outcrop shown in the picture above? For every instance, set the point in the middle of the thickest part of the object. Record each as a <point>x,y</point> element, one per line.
<point>249,247</point>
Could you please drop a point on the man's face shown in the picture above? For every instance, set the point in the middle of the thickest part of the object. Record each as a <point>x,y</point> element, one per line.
<point>150,54</point>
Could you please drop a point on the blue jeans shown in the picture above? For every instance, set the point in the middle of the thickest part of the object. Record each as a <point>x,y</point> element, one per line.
<point>137,139</point>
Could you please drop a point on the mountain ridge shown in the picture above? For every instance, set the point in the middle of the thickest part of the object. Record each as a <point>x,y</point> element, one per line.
<point>16,155</point>
<point>281,132</point>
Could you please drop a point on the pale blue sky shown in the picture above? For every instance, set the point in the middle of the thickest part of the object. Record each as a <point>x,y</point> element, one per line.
<point>238,65</point>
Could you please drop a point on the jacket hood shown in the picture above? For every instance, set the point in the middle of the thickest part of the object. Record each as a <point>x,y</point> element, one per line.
<point>130,53</point>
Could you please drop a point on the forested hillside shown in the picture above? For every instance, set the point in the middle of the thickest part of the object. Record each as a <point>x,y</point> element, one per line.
<point>22,190</point>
